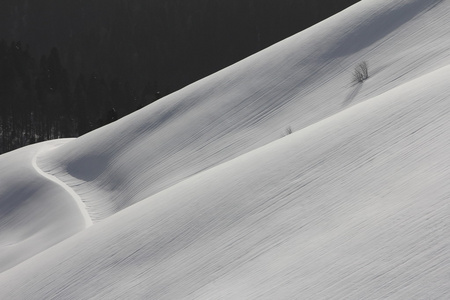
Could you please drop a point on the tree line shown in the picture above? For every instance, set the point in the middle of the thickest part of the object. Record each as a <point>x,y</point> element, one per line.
<point>93,61</point>
<point>39,100</point>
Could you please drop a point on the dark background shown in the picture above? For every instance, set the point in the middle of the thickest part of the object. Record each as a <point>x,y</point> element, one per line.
<point>70,66</point>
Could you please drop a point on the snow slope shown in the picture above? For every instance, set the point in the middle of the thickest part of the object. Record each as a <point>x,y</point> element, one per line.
<point>197,196</point>
<point>355,206</point>
<point>295,83</point>
<point>35,213</point>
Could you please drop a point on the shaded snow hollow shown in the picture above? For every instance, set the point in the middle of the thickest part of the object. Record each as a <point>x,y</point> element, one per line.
<point>200,196</point>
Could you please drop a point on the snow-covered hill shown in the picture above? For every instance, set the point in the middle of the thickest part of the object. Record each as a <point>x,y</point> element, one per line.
<point>200,195</point>
<point>35,212</point>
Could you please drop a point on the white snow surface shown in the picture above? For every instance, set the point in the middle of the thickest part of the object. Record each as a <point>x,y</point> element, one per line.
<point>35,212</point>
<point>201,196</point>
<point>75,197</point>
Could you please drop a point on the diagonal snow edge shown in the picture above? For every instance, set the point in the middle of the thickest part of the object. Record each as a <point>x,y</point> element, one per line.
<point>81,205</point>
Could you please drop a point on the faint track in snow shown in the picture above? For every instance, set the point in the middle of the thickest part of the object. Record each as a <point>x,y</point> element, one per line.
<point>81,206</point>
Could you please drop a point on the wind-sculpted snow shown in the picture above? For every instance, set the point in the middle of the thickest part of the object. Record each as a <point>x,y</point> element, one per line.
<point>35,213</point>
<point>352,207</point>
<point>75,197</point>
<point>295,83</point>
<point>200,196</point>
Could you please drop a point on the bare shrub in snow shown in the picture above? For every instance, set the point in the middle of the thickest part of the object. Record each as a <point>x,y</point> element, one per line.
<point>361,72</point>
<point>288,130</point>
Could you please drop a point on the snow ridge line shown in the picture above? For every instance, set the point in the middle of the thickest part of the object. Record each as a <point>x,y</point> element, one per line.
<point>81,206</point>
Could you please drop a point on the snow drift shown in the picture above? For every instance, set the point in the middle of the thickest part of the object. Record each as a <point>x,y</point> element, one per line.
<point>200,196</point>
<point>35,213</point>
<point>294,83</point>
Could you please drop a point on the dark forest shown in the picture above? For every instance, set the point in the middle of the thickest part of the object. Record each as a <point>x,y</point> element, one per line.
<point>70,66</point>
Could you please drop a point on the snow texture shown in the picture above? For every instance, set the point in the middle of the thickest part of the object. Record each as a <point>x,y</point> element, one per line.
<point>201,195</point>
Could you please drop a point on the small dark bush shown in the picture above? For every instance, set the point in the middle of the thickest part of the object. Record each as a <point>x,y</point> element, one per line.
<point>361,72</point>
<point>288,130</point>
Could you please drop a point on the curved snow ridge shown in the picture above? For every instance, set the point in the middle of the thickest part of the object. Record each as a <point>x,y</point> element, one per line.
<point>81,206</point>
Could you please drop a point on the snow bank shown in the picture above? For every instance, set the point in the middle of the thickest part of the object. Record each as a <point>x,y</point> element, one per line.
<point>296,83</point>
<point>35,213</point>
<point>355,206</point>
<point>199,196</point>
